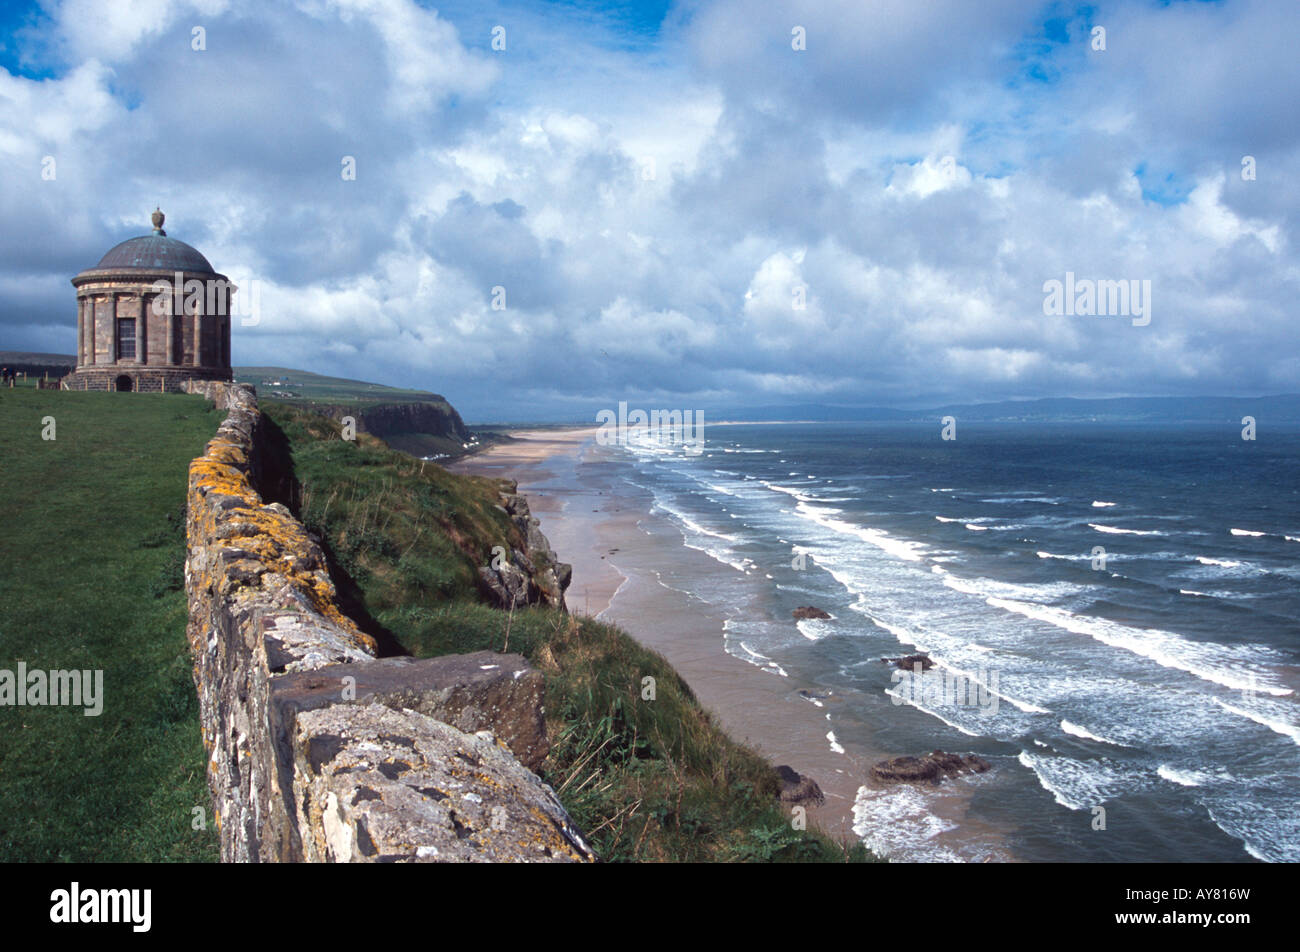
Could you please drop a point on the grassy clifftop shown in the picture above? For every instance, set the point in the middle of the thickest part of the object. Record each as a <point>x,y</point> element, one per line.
<point>647,779</point>
<point>92,532</point>
<point>92,555</point>
<point>414,421</point>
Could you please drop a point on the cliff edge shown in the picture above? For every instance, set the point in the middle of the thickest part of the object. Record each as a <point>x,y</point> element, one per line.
<point>318,750</point>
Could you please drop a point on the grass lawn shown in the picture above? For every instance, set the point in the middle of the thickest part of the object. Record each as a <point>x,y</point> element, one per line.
<point>92,550</point>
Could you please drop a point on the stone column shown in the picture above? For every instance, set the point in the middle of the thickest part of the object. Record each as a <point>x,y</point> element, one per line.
<point>170,359</point>
<point>198,336</point>
<point>90,330</point>
<point>112,327</point>
<point>81,333</point>
<point>141,342</point>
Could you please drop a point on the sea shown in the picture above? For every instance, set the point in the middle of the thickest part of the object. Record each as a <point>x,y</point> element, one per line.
<point>1110,610</point>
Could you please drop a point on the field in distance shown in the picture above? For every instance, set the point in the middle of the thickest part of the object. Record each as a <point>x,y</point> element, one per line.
<point>282,383</point>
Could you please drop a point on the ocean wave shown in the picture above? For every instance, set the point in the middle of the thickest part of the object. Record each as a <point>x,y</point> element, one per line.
<point>946,519</point>
<point>1247,532</point>
<point>905,636</point>
<point>897,822</point>
<point>722,556</point>
<point>1077,784</point>
<point>1099,504</point>
<point>1225,563</point>
<point>814,629</point>
<point>1277,726</point>
<point>1264,819</point>
<point>796,493</point>
<point>1037,592</point>
<point>974,528</point>
<point>899,548</point>
<point>902,697</point>
<point>1115,531</point>
<point>759,660</point>
<point>694,526</point>
<point>721,489</point>
<point>835,744</point>
<point>1188,778</point>
<point>1072,728</point>
<point>1220,664</point>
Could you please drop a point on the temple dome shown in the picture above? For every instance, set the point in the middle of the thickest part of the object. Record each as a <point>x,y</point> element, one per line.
<point>155,252</point>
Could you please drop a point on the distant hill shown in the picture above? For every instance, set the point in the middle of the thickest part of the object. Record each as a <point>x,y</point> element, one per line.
<point>1280,408</point>
<point>37,365</point>
<point>446,431</point>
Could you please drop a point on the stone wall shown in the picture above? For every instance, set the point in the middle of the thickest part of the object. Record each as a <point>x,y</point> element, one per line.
<point>143,380</point>
<point>317,749</point>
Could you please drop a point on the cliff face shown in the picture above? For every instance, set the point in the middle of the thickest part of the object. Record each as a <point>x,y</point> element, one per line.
<point>389,420</point>
<point>529,576</point>
<point>317,749</point>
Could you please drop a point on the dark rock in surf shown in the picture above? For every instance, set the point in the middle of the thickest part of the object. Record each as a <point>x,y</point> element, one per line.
<point>932,768</point>
<point>909,662</point>
<point>809,611</point>
<point>796,788</point>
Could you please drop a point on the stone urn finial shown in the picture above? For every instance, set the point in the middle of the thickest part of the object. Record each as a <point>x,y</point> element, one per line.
<point>158,219</point>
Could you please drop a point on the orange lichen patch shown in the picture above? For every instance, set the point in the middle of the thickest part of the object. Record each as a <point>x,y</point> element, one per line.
<point>225,452</point>
<point>278,542</point>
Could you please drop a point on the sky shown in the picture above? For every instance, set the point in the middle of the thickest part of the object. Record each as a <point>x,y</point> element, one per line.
<point>558,206</point>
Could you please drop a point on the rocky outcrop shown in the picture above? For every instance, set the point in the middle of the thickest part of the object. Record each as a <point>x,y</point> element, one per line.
<point>318,750</point>
<point>531,577</point>
<point>374,784</point>
<point>798,789</point>
<point>932,768</point>
<point>909,662</point>
<point>809,611</point>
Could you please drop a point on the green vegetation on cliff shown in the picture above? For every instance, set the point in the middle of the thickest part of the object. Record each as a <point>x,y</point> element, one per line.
<point>92,537</point>
<point>650,780</point>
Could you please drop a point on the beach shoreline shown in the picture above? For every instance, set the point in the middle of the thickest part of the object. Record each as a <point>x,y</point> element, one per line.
<point>620,552</point>
<point>597,528</point>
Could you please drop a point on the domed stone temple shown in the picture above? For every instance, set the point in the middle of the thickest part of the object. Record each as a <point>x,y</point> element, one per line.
<point>151,315</point>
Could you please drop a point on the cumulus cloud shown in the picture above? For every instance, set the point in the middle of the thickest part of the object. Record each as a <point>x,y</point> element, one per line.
<point>693,211</point>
